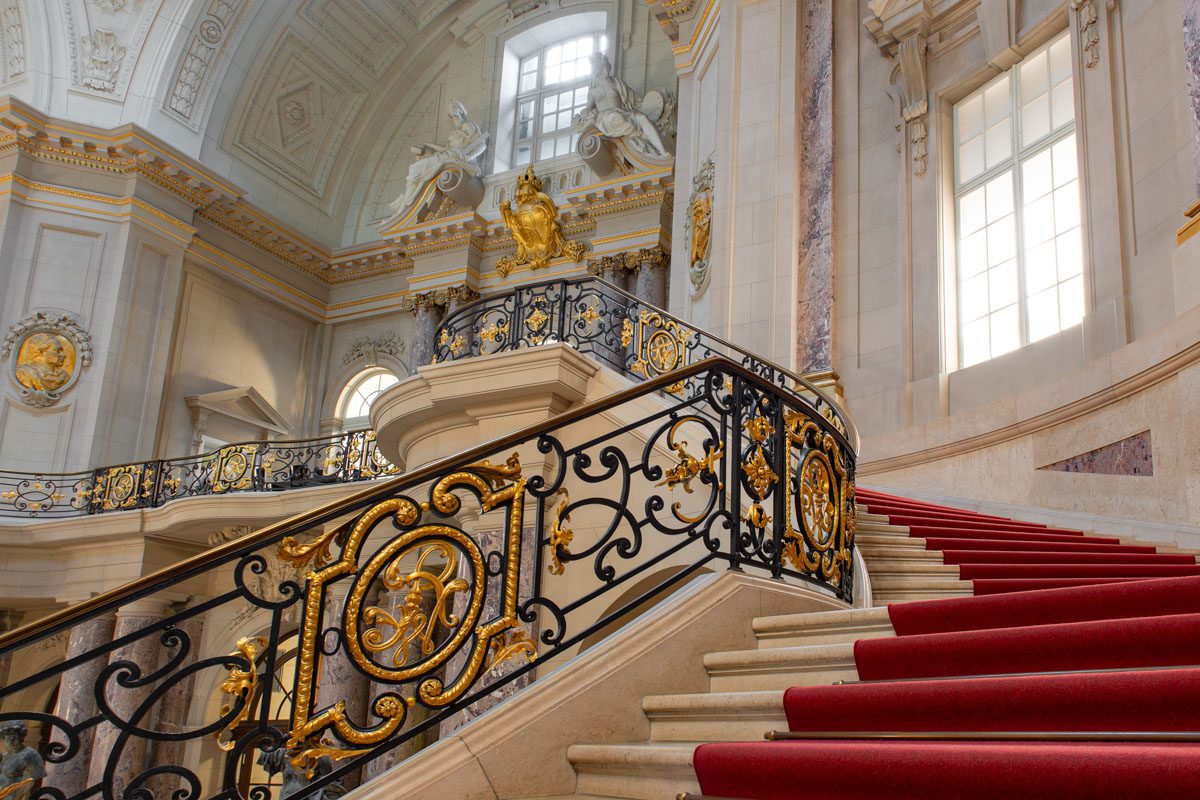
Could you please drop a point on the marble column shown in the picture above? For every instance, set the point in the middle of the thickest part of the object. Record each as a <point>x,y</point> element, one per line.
<point>814,352</point>
<point>651,278</point>
<point>426,315</point>
<point>1191,53</point>
<point>77,702</point>
<point>173,711</point>
<point>145,652</point>
<point>338,679</point>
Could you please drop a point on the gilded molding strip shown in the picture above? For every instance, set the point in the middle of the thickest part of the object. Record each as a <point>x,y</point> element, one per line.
<point>1191,227</point>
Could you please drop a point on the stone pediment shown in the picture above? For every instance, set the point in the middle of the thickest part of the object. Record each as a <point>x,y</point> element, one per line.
<point>243,405</point>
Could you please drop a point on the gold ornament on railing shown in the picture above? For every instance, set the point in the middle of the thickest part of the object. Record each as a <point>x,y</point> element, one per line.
<point>560,537</point>
<point>535,227</point>
<point>418,658</point>
<point>659,345</point>
<point>826,533</point>
<point>241,685</point>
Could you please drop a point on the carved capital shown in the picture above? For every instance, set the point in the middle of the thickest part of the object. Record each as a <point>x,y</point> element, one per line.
<point>910,57</point>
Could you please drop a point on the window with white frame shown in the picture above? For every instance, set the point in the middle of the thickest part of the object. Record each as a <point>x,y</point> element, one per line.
<point>359,393</point>
<point>1017,203</point>
<point>552,88</point>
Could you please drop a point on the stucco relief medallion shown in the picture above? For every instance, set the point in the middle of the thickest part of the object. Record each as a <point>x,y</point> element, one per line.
<point>46,354</point>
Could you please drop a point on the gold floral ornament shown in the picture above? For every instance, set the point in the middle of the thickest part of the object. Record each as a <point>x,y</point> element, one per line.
<point>760,429</point>
<point>759,473</point>
<point>689,466</point>
<point>560,537</point>
<point>535,227</point>
<point>241,685</point>
<point>510,644</point>
<point>455,345</point>
<point>757,516</point>
<point>47,354</point>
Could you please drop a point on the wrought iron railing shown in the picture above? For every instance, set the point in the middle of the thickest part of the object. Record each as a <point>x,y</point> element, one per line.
<point>406,606</point>
<point>243,467</point>
<point>614,327</point>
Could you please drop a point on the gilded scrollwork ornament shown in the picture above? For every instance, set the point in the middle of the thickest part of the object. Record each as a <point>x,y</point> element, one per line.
<point>241,685</point>
<point>560,537</point>
<point>47,354</point>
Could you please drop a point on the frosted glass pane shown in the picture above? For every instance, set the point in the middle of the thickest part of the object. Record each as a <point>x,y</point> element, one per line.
<point>975,337</point>
<point>1006,331</point>
<point>1066,164</point>
<point>1043,314</point>
<point>1060,59</point>
<point>1039,221</point>
<point>1001,241</point>
<point>1062,100</point>
<point>523,154</point>
<point>970,160</point>
<point>970,118</point>
<point>972,254</point>
<point>973,300</point>
<point>998,101</point>
<point>999,197</point>
<point>999,143</point>
<point>548,122</point>
<point>1036,177</point>
<point>1069,253</point>
<point>564,119</point>
<point>975,342</point>
<point>1035,120</point>
<point>552,74</point>
<point>1066,208</point>
<point>1070,302</point>
<point>1041,271</point>
<point>568,51</point>
<point>554,55</point>
<point>971,212</point>
<point>1002,285</point>
<point>550,104</point>
<point>546,149</point>
<point>529,82</point>
<point>1035,77</point>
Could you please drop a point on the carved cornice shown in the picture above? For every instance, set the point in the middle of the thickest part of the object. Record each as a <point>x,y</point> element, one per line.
<point>629,260</point>
<point>439,299</point>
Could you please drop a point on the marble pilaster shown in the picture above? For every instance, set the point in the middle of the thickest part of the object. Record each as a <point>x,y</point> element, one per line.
<point>144,652</point>
<point>173,711</point>
<point>426,315</point>
<point>1191,53</point>
<point>651,281</point>
<point>815,116</point>
<point>77,702</point>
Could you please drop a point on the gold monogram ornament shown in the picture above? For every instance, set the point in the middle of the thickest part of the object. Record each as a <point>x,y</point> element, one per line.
<point>825,509</point>
<point>47,354</point>
<point>535,227</point>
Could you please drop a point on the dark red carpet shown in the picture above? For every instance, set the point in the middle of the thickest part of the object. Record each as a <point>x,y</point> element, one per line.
<point>1101,637</point>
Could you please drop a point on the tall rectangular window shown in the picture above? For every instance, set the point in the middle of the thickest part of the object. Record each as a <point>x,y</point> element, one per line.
<point>1017,203</point>
<point>552,89</point>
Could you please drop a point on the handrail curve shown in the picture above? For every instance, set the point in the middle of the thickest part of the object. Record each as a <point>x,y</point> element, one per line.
<point>433,590</point>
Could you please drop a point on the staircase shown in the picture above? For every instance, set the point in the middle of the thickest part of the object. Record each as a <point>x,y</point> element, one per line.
<point>1095,669</point>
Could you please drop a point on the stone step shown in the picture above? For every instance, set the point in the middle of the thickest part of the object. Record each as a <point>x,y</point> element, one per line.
<point>714,716</point>
<point>874,554</point>
<point>902,589</point>
<point>879,527</point>
<point>642,771</point>
<point>780,667</point>
<point>823,627</point>
<point>911,568</point>
<point>897,540</point>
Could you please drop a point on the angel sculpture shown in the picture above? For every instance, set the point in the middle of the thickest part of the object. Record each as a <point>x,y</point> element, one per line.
<point>21,767</point>
<point>617,111</point>
<point>465,144</point>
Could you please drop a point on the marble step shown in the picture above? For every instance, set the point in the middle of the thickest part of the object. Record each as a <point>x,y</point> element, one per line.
<point>896,540</point>
<point>891,589</point>
<point>714,716</point>
<point>911,568</point>
<point>642,771</point>
<point>778,668</point>
<point>879,527</point>
<point>875,554</point>
<point>822,627</point>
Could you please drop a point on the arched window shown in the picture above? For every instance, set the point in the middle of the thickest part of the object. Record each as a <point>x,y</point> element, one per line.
<point>354,406</point>
<point>544,84</point>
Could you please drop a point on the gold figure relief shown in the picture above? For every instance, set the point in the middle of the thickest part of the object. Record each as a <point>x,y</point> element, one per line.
<point>45,362</point>
<point>535,228</point>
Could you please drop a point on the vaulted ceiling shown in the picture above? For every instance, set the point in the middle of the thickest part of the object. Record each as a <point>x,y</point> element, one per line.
<point>286,98</point>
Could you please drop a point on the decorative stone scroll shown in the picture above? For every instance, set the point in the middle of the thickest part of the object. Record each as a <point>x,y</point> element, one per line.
<point>369,349</point>
<point>47,354</point>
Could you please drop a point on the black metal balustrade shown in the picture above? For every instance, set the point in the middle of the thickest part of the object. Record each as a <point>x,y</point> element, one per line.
<point>243,467</point>
<point>613,326</point>
<point>405,606</point>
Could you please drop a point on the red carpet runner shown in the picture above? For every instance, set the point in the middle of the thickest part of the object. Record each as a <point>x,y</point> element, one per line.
<point>1095,647</point>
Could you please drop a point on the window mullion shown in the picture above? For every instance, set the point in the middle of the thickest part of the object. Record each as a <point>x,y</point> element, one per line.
<point>1019,208</point>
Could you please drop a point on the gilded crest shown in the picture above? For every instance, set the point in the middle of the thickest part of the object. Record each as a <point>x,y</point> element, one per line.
<point>535,227</point>
<point>698,227</point>
<point>46,355</point>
